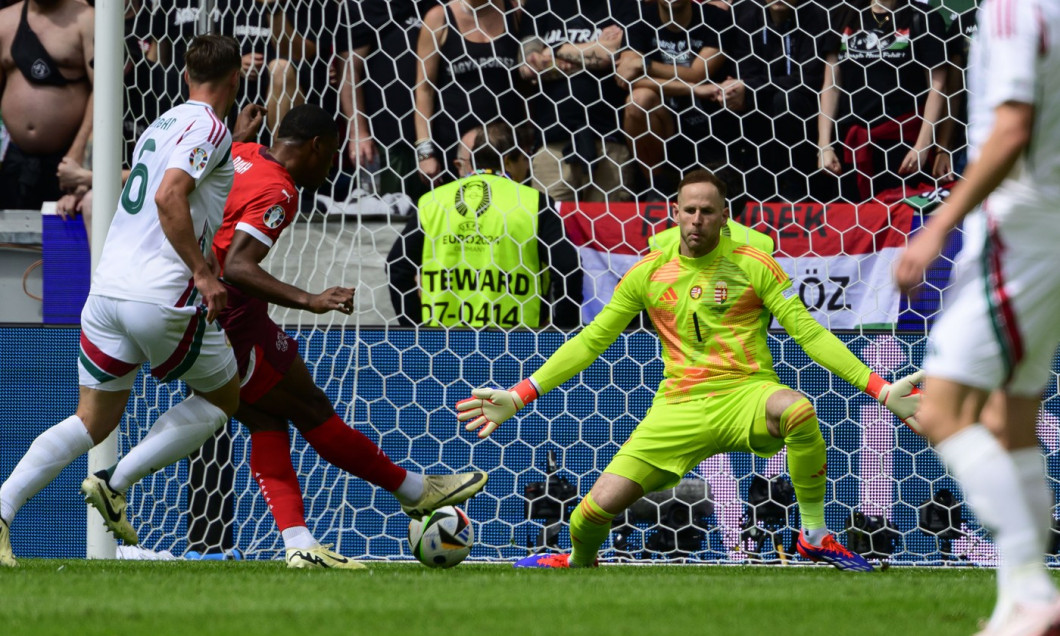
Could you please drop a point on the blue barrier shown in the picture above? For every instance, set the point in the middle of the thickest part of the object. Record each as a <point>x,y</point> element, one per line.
<point>398,387</point>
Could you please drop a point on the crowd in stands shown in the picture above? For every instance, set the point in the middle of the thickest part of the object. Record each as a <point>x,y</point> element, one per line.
<point>798,99</point>
<point>611,100</point>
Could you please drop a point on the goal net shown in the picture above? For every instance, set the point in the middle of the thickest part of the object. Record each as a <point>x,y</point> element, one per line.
<point>612,172</point>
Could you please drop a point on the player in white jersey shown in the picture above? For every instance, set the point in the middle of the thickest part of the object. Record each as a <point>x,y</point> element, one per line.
<point>146,303</point>
<point>990,352</point>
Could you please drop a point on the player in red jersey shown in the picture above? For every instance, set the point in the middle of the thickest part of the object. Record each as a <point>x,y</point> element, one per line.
<point>277,387</point>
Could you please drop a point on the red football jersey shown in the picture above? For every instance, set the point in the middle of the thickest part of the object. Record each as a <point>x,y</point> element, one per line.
<point>263,200</point>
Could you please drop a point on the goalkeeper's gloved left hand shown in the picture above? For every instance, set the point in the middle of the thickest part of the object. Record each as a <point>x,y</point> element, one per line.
<point>902,397</point>
<point>489,408</point>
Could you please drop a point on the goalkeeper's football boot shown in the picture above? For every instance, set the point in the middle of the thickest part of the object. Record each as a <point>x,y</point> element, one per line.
<point>7,557</point>
<point>548,560</point>
<point>833,553</point>
<point>320,557</point>
<point>443,490</point>
<point>111,506</point>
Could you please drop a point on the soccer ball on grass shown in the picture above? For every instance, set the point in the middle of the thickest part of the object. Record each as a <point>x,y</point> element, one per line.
<point>442,538</point>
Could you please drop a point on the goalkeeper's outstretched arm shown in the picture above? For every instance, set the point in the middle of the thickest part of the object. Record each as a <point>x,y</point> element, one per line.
<point>902,397</point>
<point>488,408</point>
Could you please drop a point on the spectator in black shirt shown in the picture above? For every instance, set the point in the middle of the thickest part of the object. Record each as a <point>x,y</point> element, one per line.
<point>468,54</point>
<point>774,46</point>
<point>381,125</point>
<point>672,48</point>
<point>569,49</point>
<point>889,59</point>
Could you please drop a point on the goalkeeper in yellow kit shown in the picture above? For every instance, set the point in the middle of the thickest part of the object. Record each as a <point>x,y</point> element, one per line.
<point>711,300</point>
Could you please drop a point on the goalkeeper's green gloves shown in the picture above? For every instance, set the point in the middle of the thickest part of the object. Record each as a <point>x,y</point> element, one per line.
<point>902,397</point>
<point>489,408</point>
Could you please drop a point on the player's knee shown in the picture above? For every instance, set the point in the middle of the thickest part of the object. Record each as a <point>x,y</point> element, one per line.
<point>777,405</point>
<point>798,417</point>
<point>225,398</point>
<point>315,409</point>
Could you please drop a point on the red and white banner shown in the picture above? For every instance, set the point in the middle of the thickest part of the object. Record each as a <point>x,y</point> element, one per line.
<point>839,256</point>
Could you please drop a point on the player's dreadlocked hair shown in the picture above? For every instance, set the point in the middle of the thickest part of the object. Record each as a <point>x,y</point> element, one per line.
<point>305,122</point>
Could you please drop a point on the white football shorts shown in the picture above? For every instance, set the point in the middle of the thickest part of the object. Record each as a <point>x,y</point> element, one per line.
<point>117,336</point>
<point>1000,324</point>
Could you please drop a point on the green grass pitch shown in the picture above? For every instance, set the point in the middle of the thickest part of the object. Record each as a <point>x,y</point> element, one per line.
<point>260,598</point>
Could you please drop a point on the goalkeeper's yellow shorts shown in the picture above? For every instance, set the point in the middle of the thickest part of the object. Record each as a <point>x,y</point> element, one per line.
<point>675,438</point>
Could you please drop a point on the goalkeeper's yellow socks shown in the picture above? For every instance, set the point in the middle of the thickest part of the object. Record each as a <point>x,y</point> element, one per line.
<point>589,526</point>
<point>807,458</point>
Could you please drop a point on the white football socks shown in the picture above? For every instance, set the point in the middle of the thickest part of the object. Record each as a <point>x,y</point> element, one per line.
<point>175,434</point>
<point>815,535</point>
<point>992,489</point>
<point>299,537</point>
<point>1030,469</point>
<point>412,488</point>
<point>52,451</point>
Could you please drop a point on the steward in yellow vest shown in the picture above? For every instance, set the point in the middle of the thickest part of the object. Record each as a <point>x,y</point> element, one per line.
<point>487,250</point>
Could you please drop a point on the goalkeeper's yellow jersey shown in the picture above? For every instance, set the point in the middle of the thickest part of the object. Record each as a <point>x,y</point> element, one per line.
<point>712,315</point>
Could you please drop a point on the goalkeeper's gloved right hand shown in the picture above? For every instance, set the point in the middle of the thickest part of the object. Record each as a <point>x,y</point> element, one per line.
<point>902,397</point>
<point>489,408</point>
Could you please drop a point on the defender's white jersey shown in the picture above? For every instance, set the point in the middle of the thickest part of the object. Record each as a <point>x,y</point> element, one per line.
<point>1016,57</point>
<point>138,262</point>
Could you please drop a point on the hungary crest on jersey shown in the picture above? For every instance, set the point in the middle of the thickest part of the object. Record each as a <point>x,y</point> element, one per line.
<point>721,292</point>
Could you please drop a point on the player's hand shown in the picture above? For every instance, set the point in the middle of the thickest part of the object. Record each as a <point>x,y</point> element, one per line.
<point>923,250</point>
<point>334,299</point>
<point>488,409</point>
<point>902,397</point>
<point>213,294</point>
<point>211,262</point>
<point>248,123</point>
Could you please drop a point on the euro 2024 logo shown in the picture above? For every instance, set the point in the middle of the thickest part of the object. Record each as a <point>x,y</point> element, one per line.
<point>274,217</point>
<point>197,159</point>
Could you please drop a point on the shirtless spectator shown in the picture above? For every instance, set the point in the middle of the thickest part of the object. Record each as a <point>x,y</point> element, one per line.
<point>46,53</point>
<point>141,74</point>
